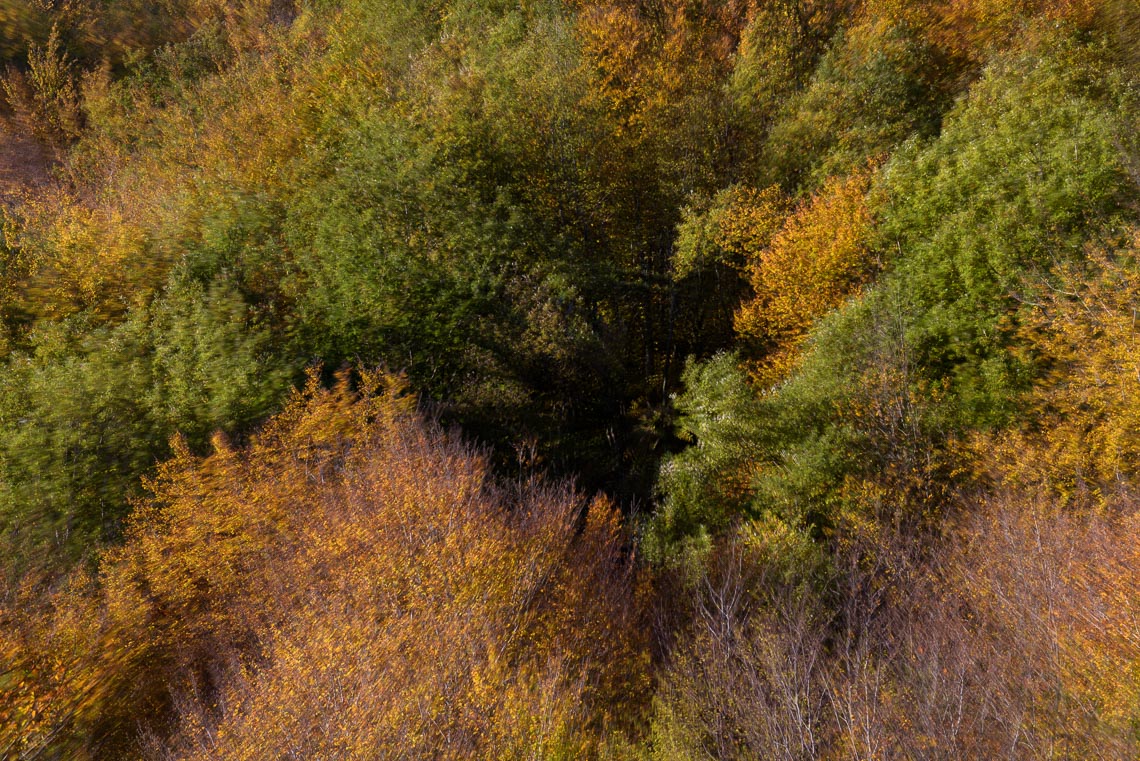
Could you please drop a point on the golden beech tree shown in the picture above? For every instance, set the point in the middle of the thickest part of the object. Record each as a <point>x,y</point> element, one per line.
<point>1084,443</point>
<point>351,584</point>
<point>819,258</point>
<point>749,220</point>
<point>659,70</point>
<point>976,28</point>
<point>733,231</point>
<point>615,39</point>
<point>70,258</point>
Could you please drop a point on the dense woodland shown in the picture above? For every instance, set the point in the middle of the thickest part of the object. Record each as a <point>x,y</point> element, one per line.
<point>570,379</point>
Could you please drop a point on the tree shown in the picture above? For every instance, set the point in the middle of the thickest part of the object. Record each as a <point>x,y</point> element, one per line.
<point>353,582</point>
<point>1079,439</point>
<point>818,259</point>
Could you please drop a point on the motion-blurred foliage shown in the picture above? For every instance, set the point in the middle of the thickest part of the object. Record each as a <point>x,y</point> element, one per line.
<point>833,299</point>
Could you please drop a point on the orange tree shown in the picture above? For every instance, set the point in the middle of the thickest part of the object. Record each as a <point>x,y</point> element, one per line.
<point>354,583</point>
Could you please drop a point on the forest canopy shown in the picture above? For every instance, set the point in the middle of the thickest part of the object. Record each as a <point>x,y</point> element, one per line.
<point>639,379</point>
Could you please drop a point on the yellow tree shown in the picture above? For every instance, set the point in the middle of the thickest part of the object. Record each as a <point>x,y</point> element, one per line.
<point>354,584</point>
<point>1083,444</point>
<point>817,260</point>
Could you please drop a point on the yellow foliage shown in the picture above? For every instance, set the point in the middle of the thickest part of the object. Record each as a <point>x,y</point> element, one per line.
<point>1084,444</point>
<point>750,219</point>
<point>352,584</point>
<point>818,259</point>
<point>733,231</point>
<point>615,38</point>
<point>975,29</point>
<point>75,258</point>
<point>651,64</point>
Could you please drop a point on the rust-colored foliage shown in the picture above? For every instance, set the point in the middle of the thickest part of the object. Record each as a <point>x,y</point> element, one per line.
<point>819,259</point>
<point>1053,597</point>
<point>1019,638</point>
<point>352,584</point>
